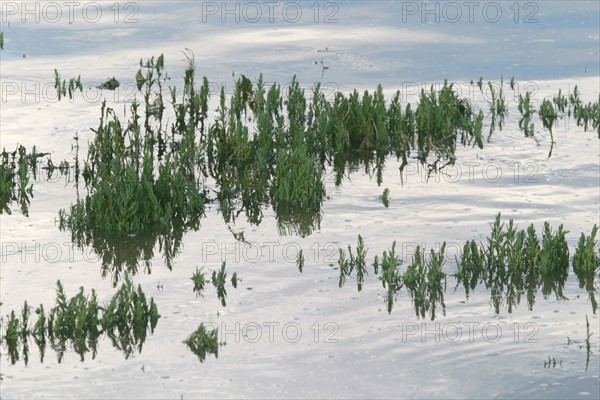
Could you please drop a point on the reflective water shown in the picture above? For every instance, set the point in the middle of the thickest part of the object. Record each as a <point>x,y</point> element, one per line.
<point>299,335</point>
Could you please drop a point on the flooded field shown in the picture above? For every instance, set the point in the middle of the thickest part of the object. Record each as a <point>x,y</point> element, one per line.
<point>267,231</point>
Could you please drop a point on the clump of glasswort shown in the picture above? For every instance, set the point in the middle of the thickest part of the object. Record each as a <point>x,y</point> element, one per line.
<point>129,191</point>
<point>526,111</point>
<point>391,276</point>
<point>14,180</point>
<point>514,262</point>
<point>358,263</point>
<point>61,86</point>
<point>497,103</point>
<point>218,278</point>
<point>385,197</point>
<point>131,172</point>
<point>15,185</point>
<point>203,342</point>
<point>423,280</point>
<point>300,261</point>
<point>199,281</point>
<point>586,263</point>
<point>80,321</point>
<point>142,183</point>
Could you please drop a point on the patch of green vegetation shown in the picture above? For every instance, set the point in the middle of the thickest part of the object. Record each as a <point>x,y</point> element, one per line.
<point>585,115</point>
<point>61,86</point>
<point>497,104</point>
<point>391,277</point>
<point>15,183</point>
<point>586,264</point>
<point>109,84</point>
<point>424,281</point>
<point>355,262</point>
<point>203,342</point>
<point>218,279</point>
<point>510,264</point>
<point>281,162</point>
<point>526,111</point>
<point>199,281</point>
<point>1,40</point>
<point>385,197</point>
<point>514,262</point>
<point>300,261</point>
<point>80,321</point>
<point>138,178</point>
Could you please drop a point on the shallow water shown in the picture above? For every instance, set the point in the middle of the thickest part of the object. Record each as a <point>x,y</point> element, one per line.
<point>271,321</point>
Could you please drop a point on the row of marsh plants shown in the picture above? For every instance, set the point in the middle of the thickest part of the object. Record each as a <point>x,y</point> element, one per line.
<point>513,262</point>
<point>80,321</point>
<point>549,111</point>
<point>557,108</point>
<point>423,278</point>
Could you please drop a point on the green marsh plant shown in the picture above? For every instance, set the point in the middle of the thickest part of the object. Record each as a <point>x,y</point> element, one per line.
<point>15,183</point>
<point>385,198</point>
<point>203,342</point>
<point>527,111</point>
<point>425,281</point>
<point>300,261</point>
<point>61,86</point>
<point>198,278</point>
<point>586,264</point>
<point>218,279</point>
<point>391,277</point>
